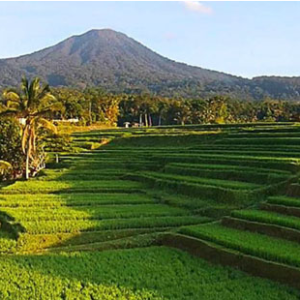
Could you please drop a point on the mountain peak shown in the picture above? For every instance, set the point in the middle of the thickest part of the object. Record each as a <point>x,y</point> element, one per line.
<point>116,62</point>
<point>102,33</point>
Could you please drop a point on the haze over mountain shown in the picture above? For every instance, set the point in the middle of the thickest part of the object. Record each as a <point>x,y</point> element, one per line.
<point>118,63</point>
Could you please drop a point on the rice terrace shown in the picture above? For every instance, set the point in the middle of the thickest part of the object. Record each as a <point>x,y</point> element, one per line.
<point>126,175</point>
<point>109,223</point>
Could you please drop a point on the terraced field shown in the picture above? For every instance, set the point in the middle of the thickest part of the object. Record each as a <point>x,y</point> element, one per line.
<point>266,232</point>
<point>233,187</point>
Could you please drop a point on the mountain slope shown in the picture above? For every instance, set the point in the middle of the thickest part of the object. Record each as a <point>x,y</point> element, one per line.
<point>116,62</point>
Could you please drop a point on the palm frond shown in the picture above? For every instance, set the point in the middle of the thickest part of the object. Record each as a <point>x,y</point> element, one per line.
<point>11,95</point>
<point>33,89</point>
<point>46,124</point>
<point>45,110</point>
<point>44,91</point>
<point>25,87</point>
<point>45,98</point>
<point>4,166</point>
<point>9,112</point>
<point>48,97</point>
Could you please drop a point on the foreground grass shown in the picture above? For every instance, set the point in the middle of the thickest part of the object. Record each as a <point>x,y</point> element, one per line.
<point>140,274</point>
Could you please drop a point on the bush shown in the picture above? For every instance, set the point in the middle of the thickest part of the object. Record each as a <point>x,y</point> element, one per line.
<point>10,146</point>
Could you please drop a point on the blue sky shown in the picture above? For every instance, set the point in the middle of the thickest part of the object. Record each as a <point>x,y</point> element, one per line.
<point>241,38</point>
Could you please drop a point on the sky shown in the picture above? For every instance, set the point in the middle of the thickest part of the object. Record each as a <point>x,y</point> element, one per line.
<point>241,38</point>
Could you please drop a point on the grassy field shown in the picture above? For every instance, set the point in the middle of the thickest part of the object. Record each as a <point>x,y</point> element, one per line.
<point>58,230</point>
<point>137,274</point>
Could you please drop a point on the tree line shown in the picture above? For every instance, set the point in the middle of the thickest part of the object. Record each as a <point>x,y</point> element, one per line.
<point>27,114</point>
<point>95,105</point>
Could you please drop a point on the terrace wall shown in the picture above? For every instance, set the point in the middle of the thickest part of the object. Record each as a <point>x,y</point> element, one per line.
<point>254,266</point>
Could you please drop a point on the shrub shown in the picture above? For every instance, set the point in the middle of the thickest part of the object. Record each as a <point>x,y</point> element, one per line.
<point>10,146</point>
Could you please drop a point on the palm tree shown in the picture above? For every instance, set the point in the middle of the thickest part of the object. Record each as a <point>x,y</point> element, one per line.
<point>31,105</point>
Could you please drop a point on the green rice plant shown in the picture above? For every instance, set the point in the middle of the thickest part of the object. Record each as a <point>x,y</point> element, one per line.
<point>228,174</point>
<point>268,217</point>
<point>69,174</point>
<point>40,227</point>
<point>230,184</point>
<point>284,200</point>
<point>153,273</point>
<point>69,199</point>
<point>7,245</point>
<point>268,141</point>
<point>198,205</point>
<point>254,152</point>
<point>266,134</point>
<point>226,167</point>
<point>178,139</point>
<point>206,191</point>
<point>288,164</point>
<point>31,243</point>
<point>92,212</point>
<point>36,186</point>
<point>255,244</point>
<point>262,147</point>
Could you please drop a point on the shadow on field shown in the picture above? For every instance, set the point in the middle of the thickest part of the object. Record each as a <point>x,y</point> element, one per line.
<point>9,228</point>
<point>123,155</point>
<point>6,183</point>
<point>176,167</point>
<point>67,213</point>
<point>111,163</point>
<point>90,177</point>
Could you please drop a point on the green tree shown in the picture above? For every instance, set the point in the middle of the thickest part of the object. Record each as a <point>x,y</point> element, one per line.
<point>33,103</point>
<point>181,111</point>
<point>10,145</point>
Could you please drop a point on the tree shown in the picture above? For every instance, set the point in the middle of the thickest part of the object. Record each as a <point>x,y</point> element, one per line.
<point>71,103</point>
<point>10,145</point>
<point>112,111</point>
<point>32,104</point>
<point>216,110</point>
<point>95,98</point>
<point>162,108</point>
<point>197,111</point>
<point>181,111</point>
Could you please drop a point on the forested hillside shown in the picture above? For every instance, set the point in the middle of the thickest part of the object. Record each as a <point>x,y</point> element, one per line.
<point>112,60</point>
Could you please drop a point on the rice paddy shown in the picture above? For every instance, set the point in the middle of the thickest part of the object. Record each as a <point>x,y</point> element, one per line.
<point>125,195</point>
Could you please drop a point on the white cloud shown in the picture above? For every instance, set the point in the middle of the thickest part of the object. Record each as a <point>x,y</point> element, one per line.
<point>197,7</point>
